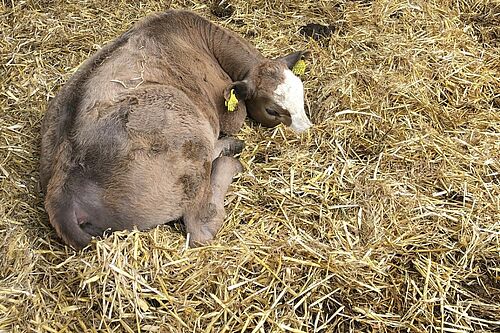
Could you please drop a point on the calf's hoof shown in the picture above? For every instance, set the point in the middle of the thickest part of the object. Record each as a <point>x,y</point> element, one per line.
<point>231,146</point>
<point>201,237</point>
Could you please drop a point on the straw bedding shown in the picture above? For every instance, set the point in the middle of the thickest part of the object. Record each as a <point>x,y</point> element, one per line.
<point>384,217</point>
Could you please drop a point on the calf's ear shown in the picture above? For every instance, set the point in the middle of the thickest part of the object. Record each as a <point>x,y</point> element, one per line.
<point>291,59</point>
<point>242,89</point>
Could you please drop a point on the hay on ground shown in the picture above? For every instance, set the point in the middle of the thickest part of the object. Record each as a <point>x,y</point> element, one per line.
<point>384,217</point>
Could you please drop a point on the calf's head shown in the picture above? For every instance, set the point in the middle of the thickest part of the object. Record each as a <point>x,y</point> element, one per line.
<point>273,94</point>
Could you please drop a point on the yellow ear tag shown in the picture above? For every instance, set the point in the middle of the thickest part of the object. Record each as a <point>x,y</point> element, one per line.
<point>232,102</point>
<point>299,68</point>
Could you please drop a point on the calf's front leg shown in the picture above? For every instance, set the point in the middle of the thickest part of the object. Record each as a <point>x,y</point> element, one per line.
<point>203,222</point>
<point>227,146</point>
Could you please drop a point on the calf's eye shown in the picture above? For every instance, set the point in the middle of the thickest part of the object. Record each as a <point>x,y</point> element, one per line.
<point>272,112</point>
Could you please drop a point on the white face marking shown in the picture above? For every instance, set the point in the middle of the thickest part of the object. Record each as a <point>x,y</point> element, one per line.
<point>290,96</point>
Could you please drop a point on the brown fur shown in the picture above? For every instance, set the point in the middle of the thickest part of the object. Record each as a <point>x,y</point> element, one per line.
<point>130,139</point>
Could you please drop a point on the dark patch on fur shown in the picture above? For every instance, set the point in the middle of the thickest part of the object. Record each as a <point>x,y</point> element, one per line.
<point>207,166</point>
<point>158,147</point>
<point>210,212</point>
<point>194,150</point>
<point>191,184</point>
<point>101,147</point>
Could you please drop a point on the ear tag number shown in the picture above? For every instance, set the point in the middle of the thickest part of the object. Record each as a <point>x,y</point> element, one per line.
<point>299,68</point>
<point>232,102</point>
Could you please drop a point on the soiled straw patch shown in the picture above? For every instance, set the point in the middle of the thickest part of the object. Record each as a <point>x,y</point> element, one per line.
<point>384,217</point>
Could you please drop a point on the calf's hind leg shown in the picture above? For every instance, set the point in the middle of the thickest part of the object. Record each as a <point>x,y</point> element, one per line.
<point>203,222</point>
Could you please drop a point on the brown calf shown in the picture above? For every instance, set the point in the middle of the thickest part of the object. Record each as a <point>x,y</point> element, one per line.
<point>133,138</point>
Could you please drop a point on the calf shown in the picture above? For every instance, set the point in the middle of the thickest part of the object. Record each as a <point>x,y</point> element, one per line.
<point>140,135</point>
